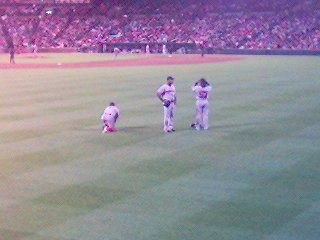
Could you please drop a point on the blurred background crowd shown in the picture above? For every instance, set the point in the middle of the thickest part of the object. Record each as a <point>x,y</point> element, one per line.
<point>217,24</point>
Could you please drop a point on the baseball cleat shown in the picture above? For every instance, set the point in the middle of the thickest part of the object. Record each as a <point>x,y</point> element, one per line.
<point>167,130</point>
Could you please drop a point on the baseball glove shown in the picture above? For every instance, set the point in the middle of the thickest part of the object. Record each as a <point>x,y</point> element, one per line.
<point>166,103</point>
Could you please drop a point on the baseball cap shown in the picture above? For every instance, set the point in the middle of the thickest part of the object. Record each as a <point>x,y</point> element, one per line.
<point>170,78</point>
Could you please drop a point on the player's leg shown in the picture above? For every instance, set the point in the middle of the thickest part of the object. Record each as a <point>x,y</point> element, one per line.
<point>194,123</point>
<point>105,125</point>
<point>112,124</point>
<point>109,124</point>
<point>198,115</point>
<point>205,115</point>
<point>111,127</point>
<point>172,109</point>
<point>166,119</point>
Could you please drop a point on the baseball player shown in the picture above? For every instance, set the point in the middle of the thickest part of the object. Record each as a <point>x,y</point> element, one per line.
<point>201,89</point>
<point>116,52</point>
<point>109,118</point>
<point>167,95</point>
<point>164,49</point>
<point>12,53</point>
<point>35,49</point>
<point>147,49</point>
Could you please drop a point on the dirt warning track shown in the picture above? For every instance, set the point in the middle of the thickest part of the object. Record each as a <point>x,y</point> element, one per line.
<point>143,61</point>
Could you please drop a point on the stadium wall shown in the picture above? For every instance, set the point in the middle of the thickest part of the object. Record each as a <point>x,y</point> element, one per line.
<point>193,48</point>
<point>155,47</point>
<point>187,48</point>
<point>58,50</point>
<point>267,52</point>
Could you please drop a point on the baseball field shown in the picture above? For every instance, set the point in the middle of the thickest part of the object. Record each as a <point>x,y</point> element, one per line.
<point>253,175</point>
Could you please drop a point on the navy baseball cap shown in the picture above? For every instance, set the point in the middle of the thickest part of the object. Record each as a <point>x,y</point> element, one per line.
<point>170,78</point>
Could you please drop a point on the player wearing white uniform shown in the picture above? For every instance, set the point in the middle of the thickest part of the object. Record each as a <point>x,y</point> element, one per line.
<point>202,89</point>
<point>116,52</point>
<point>167,95</point>
<point>109,118</point>
<point>35,49</point>
<point>164,49</point>
<point>147,49</point>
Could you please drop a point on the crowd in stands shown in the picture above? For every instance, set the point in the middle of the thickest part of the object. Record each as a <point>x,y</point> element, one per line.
<point>254,24</point>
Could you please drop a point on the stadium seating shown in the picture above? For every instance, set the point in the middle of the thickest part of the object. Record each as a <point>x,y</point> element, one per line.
<point>253,24</point>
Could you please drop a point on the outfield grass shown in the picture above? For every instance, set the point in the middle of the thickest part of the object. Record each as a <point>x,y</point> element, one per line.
<point>253,175</point>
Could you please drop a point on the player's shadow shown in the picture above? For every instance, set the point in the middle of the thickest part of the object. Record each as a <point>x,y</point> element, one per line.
<point>132,128</point>
<point>231,126</point>
<point>226,127</point>
<point>122,129</point>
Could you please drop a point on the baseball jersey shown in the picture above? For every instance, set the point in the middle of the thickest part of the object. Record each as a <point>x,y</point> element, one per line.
<point>111,111</point>
<point>167,92</point>
<point>201,93</point>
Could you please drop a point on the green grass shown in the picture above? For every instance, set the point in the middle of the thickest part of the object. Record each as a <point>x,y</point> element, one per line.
<point>253,175</point>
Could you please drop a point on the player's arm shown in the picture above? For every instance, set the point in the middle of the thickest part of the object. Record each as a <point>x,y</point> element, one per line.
<point>116,116</point>
<point>175,100</point>
<point>165,102</point>
<point>160,95</point>
<point>102,115</point>
<point>209,88</point>
<point>195,87</point>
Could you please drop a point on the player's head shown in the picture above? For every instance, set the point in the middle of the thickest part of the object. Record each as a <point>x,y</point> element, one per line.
<point>203,82</point>
<point>112,104</point>
<point>170,80</point>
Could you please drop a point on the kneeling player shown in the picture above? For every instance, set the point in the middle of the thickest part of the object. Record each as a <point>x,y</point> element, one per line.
<point>110,117</point>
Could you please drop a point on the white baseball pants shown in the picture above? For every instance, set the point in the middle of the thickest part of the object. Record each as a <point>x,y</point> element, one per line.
<point>168,117</point>
<point>202,114</point>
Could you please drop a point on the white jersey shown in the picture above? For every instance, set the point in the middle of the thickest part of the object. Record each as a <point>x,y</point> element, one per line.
<point>201,93</point>
<point>164,49</point>
<point>110,111</point>
<point>167,92</point>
